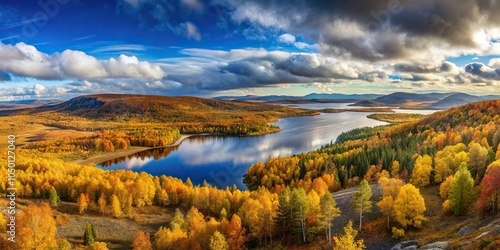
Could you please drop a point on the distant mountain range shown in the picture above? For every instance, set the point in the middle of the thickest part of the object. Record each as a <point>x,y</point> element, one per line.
<point>424,101</point>
<point>314,97</point>
<point>397,99</point>
<point>34,103</point>
<point>340,96</point>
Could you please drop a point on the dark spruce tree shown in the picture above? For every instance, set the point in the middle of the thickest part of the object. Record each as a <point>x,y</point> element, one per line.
<point>90,234</point>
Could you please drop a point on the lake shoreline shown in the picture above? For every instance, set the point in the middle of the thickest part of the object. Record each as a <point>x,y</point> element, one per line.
<point>107,156</point>
<point>222,160</point>
<point>96,159</point>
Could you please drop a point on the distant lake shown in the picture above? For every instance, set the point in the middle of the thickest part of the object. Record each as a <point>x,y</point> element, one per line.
<point>346,106</point>
<point>222,161</point>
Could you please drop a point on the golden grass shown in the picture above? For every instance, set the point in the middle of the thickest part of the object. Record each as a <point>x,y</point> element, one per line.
<point>117,233</point>
<point>396,118</point>
<point>416,105</point>
<point>57,133</point>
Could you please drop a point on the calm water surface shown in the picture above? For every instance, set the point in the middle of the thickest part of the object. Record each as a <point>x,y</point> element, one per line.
<point>222,161</point>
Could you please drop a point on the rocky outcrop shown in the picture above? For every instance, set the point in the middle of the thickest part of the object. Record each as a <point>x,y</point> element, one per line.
<point>472,235</point>
<point>406,245</point>
<point>83,103</point>
<point>493,224</point>
<point>414,245</point>
<point>465,230</point>
<point>436,246</point>
<point>492,228</point>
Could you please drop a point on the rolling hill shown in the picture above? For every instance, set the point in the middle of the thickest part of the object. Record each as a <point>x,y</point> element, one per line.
<point>166,109</point>
<point>454,100</point>
<point>423,101</point>
<point>192,115</point>
<point>399,98</point>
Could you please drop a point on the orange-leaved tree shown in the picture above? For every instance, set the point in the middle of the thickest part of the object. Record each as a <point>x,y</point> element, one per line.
<point>489,201</point>
<point>142,241</point>
<point>36,228</point>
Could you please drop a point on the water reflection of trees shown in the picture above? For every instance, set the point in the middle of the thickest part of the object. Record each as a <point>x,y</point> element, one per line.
<point>201,139</point>
<point>163,152</point>
<point>157,153</point>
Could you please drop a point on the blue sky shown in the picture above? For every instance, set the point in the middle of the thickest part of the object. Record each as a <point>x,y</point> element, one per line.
<point>64,48</point>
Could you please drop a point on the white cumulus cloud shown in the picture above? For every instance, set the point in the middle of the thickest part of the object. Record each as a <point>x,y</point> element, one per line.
<point>25,60</point>
<point>286,38</point>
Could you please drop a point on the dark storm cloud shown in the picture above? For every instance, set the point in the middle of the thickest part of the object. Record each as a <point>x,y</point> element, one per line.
<point>447,66</point>
<point>491,7</point>
<point>421,68</point>
<point>303,65</point>
<point>258,68</point>
<point>313,66</point>
<point>388,29</point>
<point>483,71</point>
<point>445,19</point>
<point>234,75</point>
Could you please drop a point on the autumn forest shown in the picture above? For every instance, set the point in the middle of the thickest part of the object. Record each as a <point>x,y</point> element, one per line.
<point>401,180</point>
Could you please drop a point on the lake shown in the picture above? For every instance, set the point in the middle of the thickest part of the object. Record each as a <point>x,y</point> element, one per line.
<point>222,161</point>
